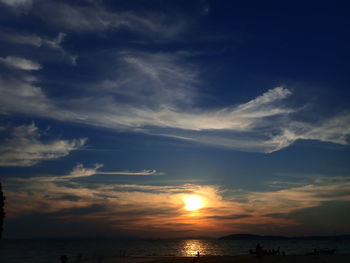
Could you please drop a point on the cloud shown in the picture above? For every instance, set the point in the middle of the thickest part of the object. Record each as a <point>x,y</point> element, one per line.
<point>95,17</point>
<point>271,96</point>
<point>20,63</point>
<point>26,39</point>
<point>151,80</point>
<point>159,91</point>
<point>38,41</point>
<point>19,5</point>
<point>24,148</point>
<point>79,171</point>
<point>284,201</point>
<point>21,95</point>
<point>125,207</point>
<point>162,93</point>
<point>134,207</point>
<point>335,129</point>
<point>142,172</point>
<point>56,44</point>
<point>158,94</point>
<point>240,118</point>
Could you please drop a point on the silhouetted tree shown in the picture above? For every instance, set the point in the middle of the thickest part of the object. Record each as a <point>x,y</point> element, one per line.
<point>2,212</point>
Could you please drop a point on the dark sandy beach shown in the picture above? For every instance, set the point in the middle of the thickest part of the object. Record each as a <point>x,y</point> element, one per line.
<point>341,258</point>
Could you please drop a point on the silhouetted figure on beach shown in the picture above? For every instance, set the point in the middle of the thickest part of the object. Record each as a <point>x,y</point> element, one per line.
<point>258,248</point>
<point>64,259</point>
<point>2,211</point>
<point>259,251</point>
<point>196,257</point>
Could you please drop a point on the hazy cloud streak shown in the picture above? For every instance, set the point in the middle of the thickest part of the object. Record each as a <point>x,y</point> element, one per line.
<point>20,63</point>
<point>24,148</point>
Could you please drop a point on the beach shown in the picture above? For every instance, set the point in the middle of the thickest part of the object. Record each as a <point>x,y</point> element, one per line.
<point>341,258</point>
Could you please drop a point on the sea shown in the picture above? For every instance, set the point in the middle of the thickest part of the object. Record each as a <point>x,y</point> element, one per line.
<point>105,250</point>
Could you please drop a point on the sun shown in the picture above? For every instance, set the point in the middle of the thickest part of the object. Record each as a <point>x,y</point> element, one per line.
<point>193,203</point>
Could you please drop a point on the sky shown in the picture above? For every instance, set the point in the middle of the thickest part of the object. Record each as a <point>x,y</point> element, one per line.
<point>113,114</point>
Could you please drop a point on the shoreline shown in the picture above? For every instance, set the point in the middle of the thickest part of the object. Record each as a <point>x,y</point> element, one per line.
<point>336,258</point>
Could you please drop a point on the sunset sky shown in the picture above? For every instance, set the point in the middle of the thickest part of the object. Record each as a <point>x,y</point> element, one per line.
<point>174,118</point>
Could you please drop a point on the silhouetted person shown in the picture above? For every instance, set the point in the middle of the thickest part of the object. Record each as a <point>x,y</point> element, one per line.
<point>2,211</point>
<point>259,251</point>
<point>64,258</point>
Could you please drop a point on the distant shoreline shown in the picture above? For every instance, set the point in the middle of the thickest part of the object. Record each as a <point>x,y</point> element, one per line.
<point>337,258</point>
<point>264,237</point>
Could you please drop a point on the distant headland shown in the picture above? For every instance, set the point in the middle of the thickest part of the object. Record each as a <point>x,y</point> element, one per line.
<point>271,237</point>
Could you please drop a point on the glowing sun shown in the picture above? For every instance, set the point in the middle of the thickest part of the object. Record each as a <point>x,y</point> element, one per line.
<point>193,203</point>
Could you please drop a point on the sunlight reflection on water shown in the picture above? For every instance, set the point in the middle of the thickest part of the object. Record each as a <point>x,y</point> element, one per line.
<point>191,247</point>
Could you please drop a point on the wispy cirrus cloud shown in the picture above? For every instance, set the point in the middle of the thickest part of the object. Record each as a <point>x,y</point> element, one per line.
<point>23,147</point>
<point>335,129</point>
<point>21,94</point>
<point>243,117</point>
<point>25,39</point>
<point>94,16</point>
<point>157,93</point>
<point>37,41</point>
<point>20,63</point>
<point>31,39</point>
<point>18,5</point>
<point>162,91</point>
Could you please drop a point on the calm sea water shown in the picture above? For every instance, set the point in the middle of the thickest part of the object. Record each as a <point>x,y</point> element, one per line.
<point>46,251</point>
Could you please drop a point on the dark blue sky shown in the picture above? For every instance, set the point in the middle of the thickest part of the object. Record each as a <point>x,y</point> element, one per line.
<point>113,113</point>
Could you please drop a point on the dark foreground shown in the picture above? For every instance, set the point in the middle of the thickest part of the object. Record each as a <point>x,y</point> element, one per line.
<point>342,258</point>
